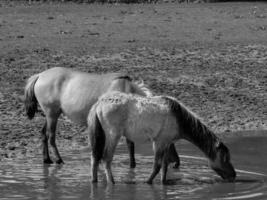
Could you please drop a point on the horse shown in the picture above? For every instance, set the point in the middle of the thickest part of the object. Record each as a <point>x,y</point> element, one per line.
<point>61,90</point>
<point>163,119</point>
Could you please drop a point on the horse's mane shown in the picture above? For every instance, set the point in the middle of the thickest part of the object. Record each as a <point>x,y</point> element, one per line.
<point>137,87</point>
<point>141,87</point>
<point>193,129</point>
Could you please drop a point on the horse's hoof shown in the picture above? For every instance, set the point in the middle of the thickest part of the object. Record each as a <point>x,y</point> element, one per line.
<point>168,182</point>
<point>60,161</point>
<point>48,161</point>
<point>132,165</point>
<point>165,182</point>
<point>94,181</point>
<point>149,182</point>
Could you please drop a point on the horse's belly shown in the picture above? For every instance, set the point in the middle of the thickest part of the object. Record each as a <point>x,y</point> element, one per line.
<point>139,135</point>
<point>77,111</point>
<point>140,129</point>
<point>77,102</point>
<point>152,126</point>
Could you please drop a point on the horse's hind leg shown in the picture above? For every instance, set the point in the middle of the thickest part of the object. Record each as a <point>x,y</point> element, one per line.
<point>46,156</point>
<point>130,146</point>
<point>94,168</point>
<point>51,128</point>
<point>108,156</point>
<point>107,159</point>
<point>107,166</point>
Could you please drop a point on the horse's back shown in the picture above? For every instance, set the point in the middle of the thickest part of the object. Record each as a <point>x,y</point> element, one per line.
<point>138,117</point>
<point>57,73</point>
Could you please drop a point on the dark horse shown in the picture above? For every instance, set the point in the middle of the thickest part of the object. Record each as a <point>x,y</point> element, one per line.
<point>161,118</point>
<point>61,90</point>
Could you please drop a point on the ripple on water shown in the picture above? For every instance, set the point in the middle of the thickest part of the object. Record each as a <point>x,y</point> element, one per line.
<point>194,179</point>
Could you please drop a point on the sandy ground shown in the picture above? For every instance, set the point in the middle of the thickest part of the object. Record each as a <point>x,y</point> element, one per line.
<point>212,57</point>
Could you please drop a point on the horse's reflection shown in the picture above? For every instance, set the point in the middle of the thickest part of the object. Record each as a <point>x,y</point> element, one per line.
<point>128,188</point>
<point>51,181</point>
<point>103,191</point>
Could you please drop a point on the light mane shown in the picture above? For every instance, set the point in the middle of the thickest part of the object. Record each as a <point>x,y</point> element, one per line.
<point>143,87</point>
<point>117,97</point>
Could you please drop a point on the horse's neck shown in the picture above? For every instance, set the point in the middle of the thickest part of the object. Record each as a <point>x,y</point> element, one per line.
<point>204,139</point>
<point>192,129</point>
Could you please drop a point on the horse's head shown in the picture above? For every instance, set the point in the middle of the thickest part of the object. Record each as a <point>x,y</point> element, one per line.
<point>221,164</point>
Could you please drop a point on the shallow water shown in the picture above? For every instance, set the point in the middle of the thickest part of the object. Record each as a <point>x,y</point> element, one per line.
<point>30,179</point>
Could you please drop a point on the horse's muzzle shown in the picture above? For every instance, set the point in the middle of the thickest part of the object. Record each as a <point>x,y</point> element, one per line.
<point>228,175</point>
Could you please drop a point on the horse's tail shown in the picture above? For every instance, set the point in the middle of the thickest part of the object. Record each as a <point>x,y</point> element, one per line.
<point>141,89</point>
<point>96,134</point>
<point>30,100</point>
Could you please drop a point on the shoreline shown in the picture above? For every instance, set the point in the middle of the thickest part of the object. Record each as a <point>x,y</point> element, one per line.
<point>33,148</point>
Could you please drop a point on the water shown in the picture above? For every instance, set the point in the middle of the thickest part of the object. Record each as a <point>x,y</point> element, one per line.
<point>30,179</point>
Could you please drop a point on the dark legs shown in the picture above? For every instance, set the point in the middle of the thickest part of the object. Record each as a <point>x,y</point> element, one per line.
<point>130,146</point>
<point>156,166</point>
<point>49,135</point>
<point>51,128</point>
<point>172,155</point>
<point>165,163</point>
<point>46,156</point>
<point>94,168</point>
<point>162,159</point>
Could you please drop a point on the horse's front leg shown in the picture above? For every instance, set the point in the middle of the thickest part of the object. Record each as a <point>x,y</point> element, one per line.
<point>130,146</point>
<point>158,156</point>
<point>173,156</point>
<point>165,163</point>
